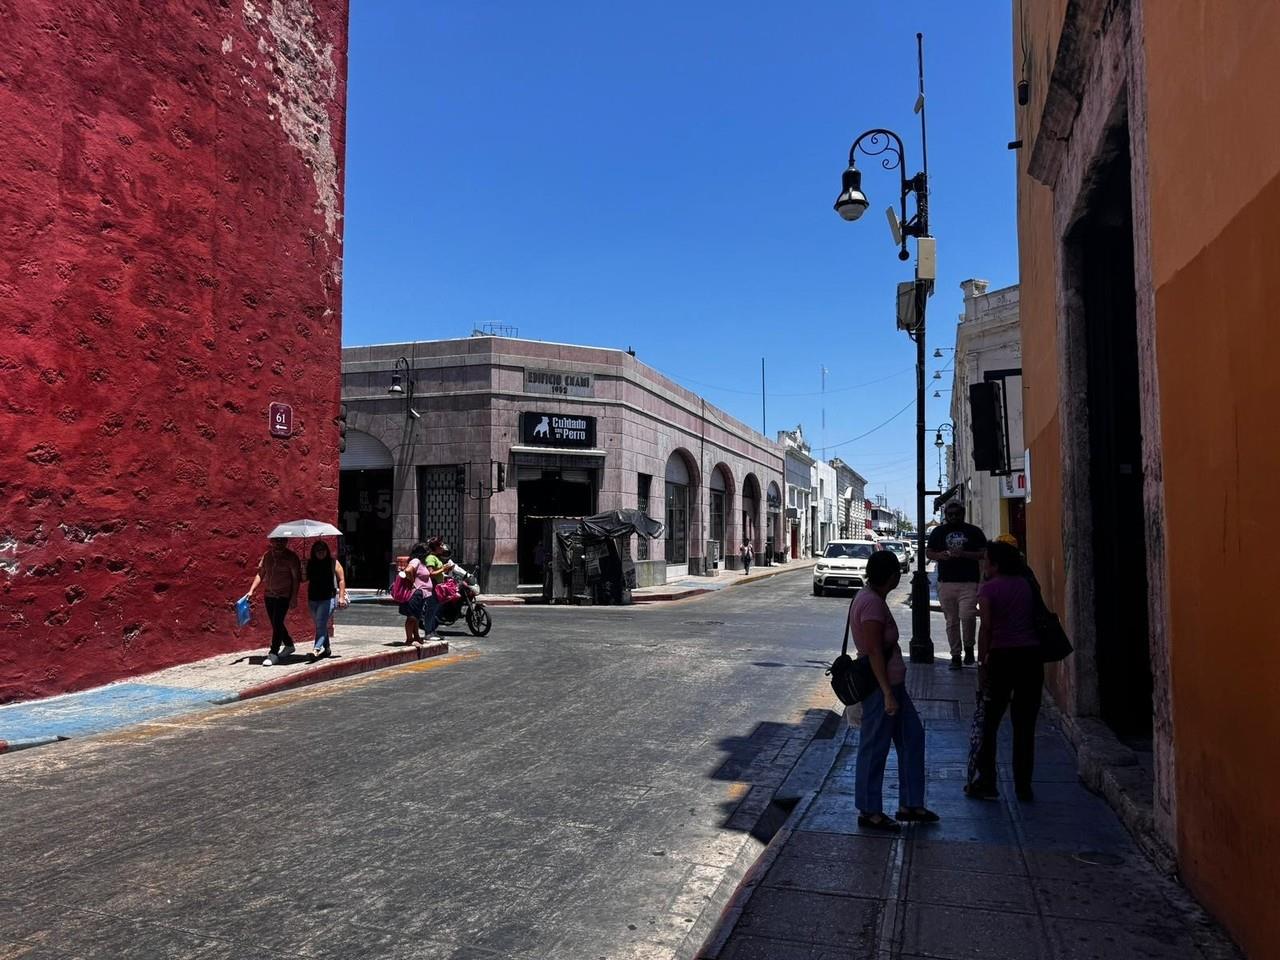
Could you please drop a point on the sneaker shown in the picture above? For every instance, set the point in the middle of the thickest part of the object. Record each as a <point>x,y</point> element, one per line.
<point>287,650</point>
<point>955,663</point>
<point>270,660</point>
<point>968,657</point>
<point>435,638</point>
<point>319,651</point>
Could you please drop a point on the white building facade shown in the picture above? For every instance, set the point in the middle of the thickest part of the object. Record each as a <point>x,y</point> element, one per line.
<point>989,349</point>
<point>799,513</point>
<point>823,509</point>
<point>851,510</point>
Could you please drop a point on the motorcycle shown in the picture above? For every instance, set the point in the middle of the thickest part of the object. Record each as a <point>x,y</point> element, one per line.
<point>468,604</point>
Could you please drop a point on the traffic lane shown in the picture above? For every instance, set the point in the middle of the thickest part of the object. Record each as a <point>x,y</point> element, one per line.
<point>563,790</point>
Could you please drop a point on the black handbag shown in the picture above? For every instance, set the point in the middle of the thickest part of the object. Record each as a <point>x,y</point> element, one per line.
<point>852,680</point>
<point>1055,645</point>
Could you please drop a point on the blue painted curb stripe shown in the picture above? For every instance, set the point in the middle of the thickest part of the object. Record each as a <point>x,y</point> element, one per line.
<point>8,746</point>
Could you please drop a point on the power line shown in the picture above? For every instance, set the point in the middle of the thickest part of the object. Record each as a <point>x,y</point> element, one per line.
<point>877,426</point>
<point>811,393</point>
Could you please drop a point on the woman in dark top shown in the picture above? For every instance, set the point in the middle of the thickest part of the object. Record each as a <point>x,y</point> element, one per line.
<point>326,590</point>
<point>1012,670</point>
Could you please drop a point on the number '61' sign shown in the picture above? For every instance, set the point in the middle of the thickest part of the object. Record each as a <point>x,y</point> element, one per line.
<point>280,420</point>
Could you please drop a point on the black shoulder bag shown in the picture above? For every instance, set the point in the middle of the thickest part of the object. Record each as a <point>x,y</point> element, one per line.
<point>1055,645</point>
<point>852,680</point>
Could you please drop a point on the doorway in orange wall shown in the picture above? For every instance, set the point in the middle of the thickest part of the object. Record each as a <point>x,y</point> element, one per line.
<point>1100,248</point>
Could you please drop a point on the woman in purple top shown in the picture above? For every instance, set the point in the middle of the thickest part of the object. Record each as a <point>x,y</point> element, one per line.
<point>1011,667</point>
<point>888,715</point>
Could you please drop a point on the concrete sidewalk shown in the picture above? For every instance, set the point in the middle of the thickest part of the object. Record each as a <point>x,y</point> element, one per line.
<point>680,589</point>
<point>225,678</point>
<point>1055,878</point>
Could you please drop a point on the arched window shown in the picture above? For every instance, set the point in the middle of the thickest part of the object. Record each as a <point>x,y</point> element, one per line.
<point>677,477</point>
<point>718,506</point>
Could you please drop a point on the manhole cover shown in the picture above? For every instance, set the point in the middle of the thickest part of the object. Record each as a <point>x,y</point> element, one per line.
<point>1099,858</point>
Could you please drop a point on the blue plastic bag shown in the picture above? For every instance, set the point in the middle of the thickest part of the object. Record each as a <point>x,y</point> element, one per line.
<point>243,613</point>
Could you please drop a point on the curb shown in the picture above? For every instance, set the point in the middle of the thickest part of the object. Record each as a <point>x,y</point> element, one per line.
<point>752,879</point>
<point>335,670</point>
<point>665,597</point>
<point>9,746</point>
<point>388,602</point>
<point>1111,769</point>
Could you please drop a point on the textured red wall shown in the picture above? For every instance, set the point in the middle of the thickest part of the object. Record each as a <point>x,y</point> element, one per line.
<point>170,263</point>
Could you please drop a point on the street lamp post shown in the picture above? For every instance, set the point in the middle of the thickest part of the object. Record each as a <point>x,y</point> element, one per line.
<point>940,444</point>
<point>851,204</point>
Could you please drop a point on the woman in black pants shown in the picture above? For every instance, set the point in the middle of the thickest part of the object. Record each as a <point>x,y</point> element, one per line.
<point>1011,668</point>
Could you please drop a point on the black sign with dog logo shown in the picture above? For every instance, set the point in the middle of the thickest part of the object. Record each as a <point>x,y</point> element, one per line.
<point>558,430</point>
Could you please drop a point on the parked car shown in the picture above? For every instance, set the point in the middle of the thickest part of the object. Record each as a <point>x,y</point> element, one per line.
<point>843,566</point>
<point>900,548</point>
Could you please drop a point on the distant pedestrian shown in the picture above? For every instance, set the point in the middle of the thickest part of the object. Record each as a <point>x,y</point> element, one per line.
<point>280,575</point>
<point>1011,668</point>
<point>419,578</point>
<point>957,548</point>
<point>326,591</point>
<point>888,715</point>
<point>437,566</point>
<point>748,554</point>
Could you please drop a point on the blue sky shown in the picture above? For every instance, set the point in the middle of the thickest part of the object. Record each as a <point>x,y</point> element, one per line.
<point>660,176</point>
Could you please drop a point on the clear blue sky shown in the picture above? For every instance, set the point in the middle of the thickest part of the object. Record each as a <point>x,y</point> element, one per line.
<point>661,176</point>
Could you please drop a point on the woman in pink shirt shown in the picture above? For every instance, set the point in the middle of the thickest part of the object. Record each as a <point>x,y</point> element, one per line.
<point>888,715</point>
<point>1011,668</point>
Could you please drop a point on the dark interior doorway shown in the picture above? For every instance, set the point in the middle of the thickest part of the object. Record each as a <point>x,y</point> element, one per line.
<point>550,496</point>
<point>364,516</point>
<point>1103,251</point>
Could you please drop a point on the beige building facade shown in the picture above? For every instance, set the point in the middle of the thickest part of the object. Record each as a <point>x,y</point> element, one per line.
<point>486,436</point>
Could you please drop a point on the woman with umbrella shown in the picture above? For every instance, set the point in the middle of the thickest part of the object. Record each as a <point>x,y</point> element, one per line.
<point>326,591</point>
<point>280,575</point>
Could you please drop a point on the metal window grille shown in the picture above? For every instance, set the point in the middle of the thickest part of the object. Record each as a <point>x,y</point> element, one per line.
<point>642,503</point>
<point>440,505</point>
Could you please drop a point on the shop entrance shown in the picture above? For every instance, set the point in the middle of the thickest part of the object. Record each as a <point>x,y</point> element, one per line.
<point>365,486</point>
<point>553,493</point>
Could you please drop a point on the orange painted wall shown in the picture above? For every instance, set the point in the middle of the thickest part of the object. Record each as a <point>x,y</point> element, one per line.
<point>1034,43</point>
<point>1215,206</point>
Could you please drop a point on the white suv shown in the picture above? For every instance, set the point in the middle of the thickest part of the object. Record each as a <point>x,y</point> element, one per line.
<point>843,566</point>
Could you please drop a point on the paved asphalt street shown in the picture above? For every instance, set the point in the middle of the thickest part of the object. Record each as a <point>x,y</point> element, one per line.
<point>575,785</point>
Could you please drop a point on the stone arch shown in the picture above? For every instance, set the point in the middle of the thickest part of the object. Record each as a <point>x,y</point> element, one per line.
<point>751,497</point>
<point>365,451</point>
<point>682,499</point>
<point>722,524</point>
<point>773,526</point>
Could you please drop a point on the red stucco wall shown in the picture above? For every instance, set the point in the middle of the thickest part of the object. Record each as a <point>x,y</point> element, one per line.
<point>170,263</point>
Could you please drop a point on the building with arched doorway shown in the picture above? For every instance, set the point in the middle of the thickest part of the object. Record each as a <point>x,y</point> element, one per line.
<point>480,439</point>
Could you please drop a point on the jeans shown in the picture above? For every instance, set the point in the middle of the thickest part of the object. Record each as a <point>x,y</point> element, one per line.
<point>429,616</point>
<point>277,610</point>
<point>321,614</point>
<point>960,607</point>
<point>1016,674</point>
<point>878,730</point>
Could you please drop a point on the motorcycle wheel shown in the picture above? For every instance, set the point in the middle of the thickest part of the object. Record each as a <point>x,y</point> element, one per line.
<point>478,621</point>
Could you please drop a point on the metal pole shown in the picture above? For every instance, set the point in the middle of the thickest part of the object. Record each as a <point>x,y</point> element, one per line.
<point>921,641</point>
<point>764,420</point>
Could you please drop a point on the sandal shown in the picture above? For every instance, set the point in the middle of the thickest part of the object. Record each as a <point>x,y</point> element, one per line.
<point>878,821</point>
<point>916,815</point>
